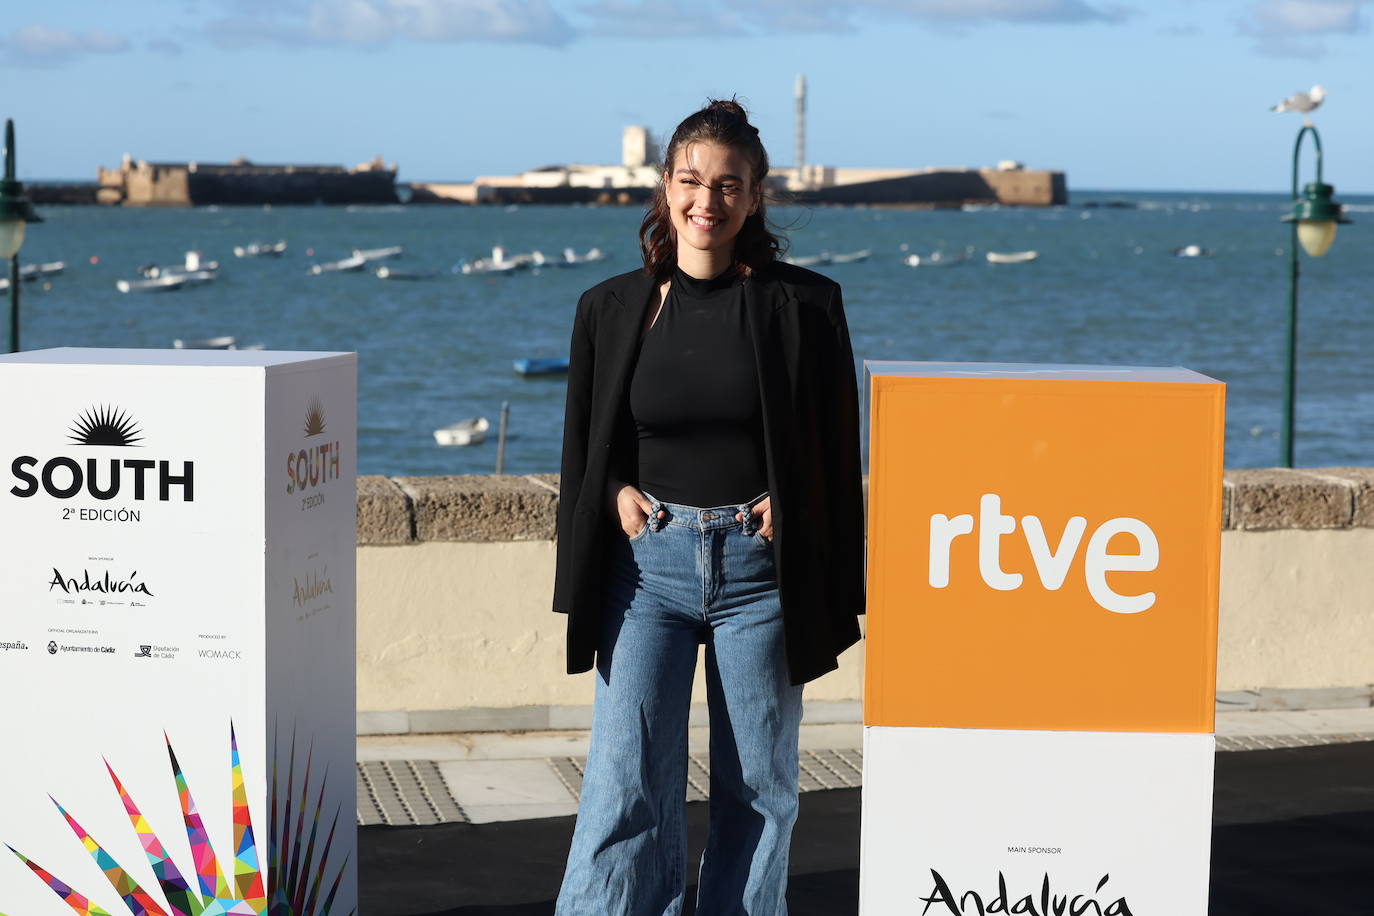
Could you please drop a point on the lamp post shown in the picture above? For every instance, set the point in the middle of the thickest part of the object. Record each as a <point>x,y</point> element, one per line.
<point>15,214</point>
<point>1314,217</point>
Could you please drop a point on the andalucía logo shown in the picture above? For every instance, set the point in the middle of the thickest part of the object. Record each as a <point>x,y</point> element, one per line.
<point>62,477</point>
<point>315,464</point>
<point>318,585</point>
<point>105,584</point>
<point>945,900</point>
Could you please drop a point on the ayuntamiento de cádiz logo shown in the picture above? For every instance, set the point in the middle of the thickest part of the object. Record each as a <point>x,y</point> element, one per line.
<point>104,478</point>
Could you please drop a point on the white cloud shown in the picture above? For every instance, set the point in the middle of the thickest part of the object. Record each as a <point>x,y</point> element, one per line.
<point>676,18</point>
<point>1296,28</point>
<point>40,45</point>
<point>379,22</point>
<point>1306,17</point>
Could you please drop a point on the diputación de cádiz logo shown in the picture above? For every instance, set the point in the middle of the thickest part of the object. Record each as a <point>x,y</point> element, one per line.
<point>296,881</point>
<point>313,465</point>
<point>66,477</point>
<point>105,425</point>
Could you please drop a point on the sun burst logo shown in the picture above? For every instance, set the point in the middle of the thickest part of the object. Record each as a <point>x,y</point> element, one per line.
<point>105,425</point>
<point>314,419</point>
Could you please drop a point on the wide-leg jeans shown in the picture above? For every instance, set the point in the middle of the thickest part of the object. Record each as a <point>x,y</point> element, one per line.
<point>696,575</point>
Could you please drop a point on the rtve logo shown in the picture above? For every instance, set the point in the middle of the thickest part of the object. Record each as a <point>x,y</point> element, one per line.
<point>1052,564</point>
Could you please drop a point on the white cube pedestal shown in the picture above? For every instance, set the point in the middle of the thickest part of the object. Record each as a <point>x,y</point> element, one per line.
<point>176,567</point>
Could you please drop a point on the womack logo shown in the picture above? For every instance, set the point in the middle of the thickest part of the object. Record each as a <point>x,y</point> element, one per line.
<point>944,900</point>
<point>1051,564</point>
<point>315,464</point>
<point>103,584</point>
<point>63,477</point>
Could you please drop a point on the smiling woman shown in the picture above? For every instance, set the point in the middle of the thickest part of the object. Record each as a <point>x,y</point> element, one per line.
<point>710,495</point>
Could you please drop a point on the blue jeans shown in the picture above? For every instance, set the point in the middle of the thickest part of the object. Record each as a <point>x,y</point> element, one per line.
<point>694,576</point>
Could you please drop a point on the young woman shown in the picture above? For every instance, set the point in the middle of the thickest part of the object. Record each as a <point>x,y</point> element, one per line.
<point>711,494</point>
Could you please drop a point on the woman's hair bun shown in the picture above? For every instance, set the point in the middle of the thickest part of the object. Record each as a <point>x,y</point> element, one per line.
<point>729,106</point>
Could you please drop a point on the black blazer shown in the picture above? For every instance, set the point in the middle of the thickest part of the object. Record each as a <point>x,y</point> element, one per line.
<point>811,439</point>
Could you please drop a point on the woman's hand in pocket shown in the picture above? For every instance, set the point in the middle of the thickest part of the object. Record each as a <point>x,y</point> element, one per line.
<point>632,507</point>
<point>763,517</point>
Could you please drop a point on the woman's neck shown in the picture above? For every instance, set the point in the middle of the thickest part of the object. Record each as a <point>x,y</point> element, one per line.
<point>703,265</point>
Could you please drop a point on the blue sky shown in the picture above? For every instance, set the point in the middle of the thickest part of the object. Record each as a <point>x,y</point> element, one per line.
<point>1165,95</point>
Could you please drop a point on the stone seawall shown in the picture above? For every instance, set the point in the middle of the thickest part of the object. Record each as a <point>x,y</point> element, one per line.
<point>455,580</point>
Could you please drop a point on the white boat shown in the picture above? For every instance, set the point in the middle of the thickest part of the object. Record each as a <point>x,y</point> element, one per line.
<point>1193,251</point>
<point>31,272</point>
<point>572,257</point>
<point>465,432</point>
<point>852,257</point>
<point>935,259</point>
<point>259,249</point>
<point>810,260</point>
<point>378,254</point>
<point>356,262</point>
<point>153,285</point>
<point>498,263</point>
<point>209,343</point>
<point>391,273</point>
<point>1011,257</point>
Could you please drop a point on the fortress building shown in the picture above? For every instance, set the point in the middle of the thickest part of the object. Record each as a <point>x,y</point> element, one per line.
<point>186,184</point>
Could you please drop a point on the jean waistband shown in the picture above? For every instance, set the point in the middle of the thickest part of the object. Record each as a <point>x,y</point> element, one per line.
<point>703,518</point>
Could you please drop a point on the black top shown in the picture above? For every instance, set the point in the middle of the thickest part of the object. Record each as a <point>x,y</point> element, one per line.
<point>695,399</point>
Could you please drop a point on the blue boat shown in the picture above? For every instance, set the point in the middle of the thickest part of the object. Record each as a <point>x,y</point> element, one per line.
<point>541,366</point>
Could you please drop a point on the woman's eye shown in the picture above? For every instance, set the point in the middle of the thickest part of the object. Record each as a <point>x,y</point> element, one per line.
<point>729,188</point>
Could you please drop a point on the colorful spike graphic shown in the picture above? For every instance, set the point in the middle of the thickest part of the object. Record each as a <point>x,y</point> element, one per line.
<point>292,885</point>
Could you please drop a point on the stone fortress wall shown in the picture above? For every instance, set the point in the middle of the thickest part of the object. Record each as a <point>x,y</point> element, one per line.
<point>455,578</point>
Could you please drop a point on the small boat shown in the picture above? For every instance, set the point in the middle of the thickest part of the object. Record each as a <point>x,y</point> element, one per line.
<point>1193,251</point>
<point>153,285</point>
<point>810,260</point>
<point>854,257</point>
<point>209,343</point>
<point>30,272</point>
<point>357,262</point>
<point>464,432</point>
<point>391,273</point>
<point>498,263</point>
<point>541,366</point>
<point>571,257</point>
<point>935,259</point>
<point>1011,257</point>
<point>259,250</point>
<point>378,254</point>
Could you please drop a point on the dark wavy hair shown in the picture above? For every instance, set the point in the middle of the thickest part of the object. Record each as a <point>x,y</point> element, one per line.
<point>726,123</point>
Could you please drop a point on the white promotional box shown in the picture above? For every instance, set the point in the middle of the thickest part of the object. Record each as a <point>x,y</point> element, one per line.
<point>1040,684</point>
<point>967,821</point>
<point>177,632</point>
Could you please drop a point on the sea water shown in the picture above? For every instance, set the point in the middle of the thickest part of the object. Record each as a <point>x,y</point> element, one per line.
<point>1105,289</point>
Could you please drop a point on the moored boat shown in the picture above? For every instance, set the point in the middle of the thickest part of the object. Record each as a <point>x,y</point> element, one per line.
<point>1011,257</point>
<point>536,366</point>
<point>464,432</point>
<point>345,266</point>
<point>378,254</point>
<point>259,250</point>
<point>153,285</point>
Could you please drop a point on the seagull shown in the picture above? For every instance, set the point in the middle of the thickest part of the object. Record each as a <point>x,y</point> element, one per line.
<point>1304,102</point>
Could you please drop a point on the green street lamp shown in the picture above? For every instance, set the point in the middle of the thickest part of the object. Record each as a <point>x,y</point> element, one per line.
<point>1314,217</point>
<point>15,214</point>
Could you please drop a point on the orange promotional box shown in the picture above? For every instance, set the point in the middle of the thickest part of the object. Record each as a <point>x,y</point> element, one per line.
<point>1043,547</point>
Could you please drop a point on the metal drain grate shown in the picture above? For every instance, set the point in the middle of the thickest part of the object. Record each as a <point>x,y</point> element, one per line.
<point>1274,742</point>
<point>405,793</point>
<point>843,768</point>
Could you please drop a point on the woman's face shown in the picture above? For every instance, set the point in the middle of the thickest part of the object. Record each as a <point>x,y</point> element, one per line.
<point>709,196</point>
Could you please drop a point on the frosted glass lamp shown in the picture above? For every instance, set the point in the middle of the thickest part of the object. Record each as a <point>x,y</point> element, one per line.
<point>1317,216</point>
<point>11,237</point>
